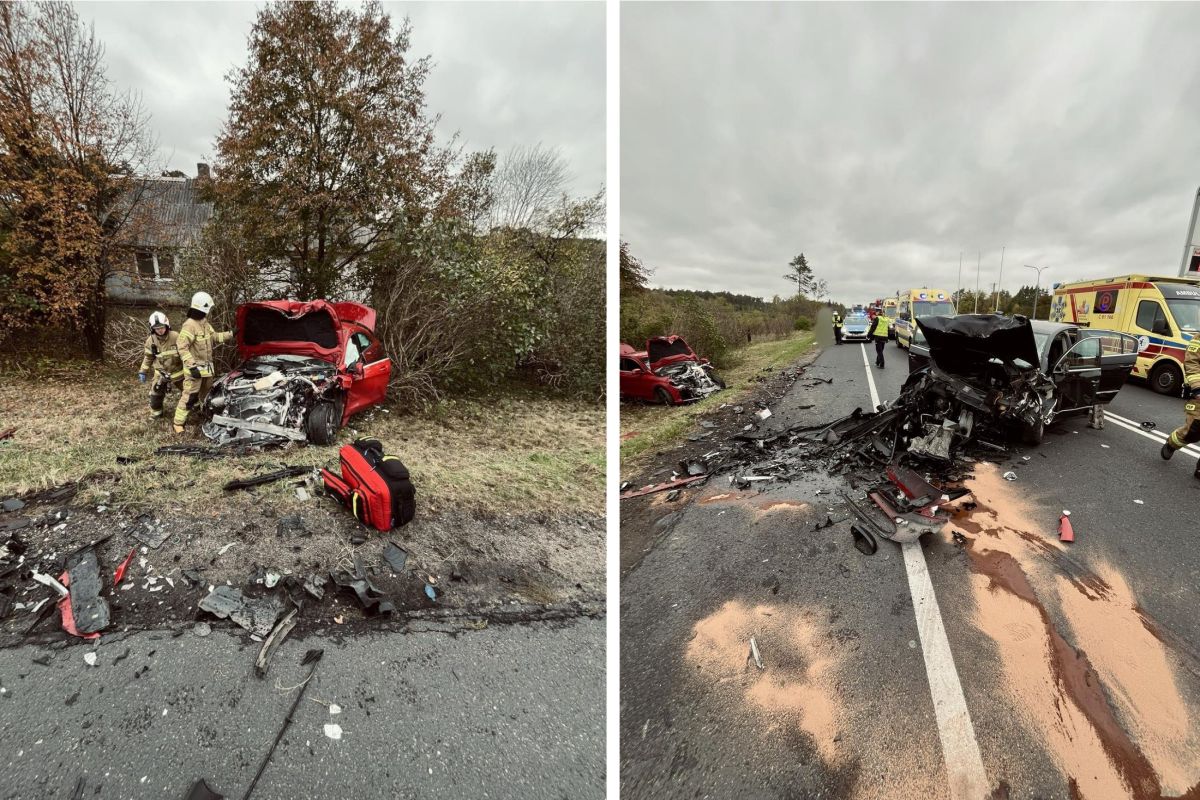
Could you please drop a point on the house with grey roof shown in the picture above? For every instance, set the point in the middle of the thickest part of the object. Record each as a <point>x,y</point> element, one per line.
<point>174,218</point>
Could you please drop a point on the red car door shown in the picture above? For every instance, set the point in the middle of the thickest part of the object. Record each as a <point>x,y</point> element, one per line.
<point>369,370</point>
<point>634,383</point>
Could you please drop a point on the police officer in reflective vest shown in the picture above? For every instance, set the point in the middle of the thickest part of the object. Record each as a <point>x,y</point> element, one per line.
<point>837,327</point>
<point>879,335</point>
<point>1189,431</point>
<point>196,340</point>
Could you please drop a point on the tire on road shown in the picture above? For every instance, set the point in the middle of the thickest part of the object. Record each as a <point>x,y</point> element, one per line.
<point>662,396</point>
<point>1166,379</point>
<point>717,380</point>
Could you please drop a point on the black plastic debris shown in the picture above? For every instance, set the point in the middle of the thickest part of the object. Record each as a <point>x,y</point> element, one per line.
<point>828,523</point>
<point>1148,425</point>
<point>149,531</point>
<point>123,460</point>
<point>692,468</point>
<point>89,610</point>
<point>270,477</point>
<point>673,495</point>
<point>312,657</point>
<point>202,791</point>
<point>257,615</point>
<point>192,576</point>
<point>12,504</point>
<point>282,629</point>
<point>14,523</point>
<point>864,542</point>
<point>370,597</point>
<point>292,525</point>
<point>396,557</point>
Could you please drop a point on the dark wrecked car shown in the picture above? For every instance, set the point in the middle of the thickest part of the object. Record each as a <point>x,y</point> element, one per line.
<point>668,371</point>
<point>985,370</point>
<point>306,368</point>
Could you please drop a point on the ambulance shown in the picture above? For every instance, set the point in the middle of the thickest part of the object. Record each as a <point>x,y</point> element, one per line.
<point>1163,313</point>
<point>912,304</point>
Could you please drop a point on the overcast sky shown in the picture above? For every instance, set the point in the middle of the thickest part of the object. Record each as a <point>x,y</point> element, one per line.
<point>505,74</point>
<point>883,140</point>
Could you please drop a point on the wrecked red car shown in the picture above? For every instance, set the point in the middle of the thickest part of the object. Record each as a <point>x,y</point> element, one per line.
<point>305,369</point>
<point>668,371</point>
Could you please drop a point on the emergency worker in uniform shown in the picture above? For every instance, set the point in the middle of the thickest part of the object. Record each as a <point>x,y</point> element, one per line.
<point>196,340</point>
<point>837,327</point>
<point>879,334</point>
<point>161,354</point>
<point>1189,431</point>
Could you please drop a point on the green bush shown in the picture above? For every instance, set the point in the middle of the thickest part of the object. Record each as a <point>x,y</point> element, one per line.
<point>803,324</point>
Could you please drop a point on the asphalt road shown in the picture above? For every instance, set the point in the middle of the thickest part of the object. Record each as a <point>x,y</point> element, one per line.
<point>512,711</point>
<point>1056,684</point>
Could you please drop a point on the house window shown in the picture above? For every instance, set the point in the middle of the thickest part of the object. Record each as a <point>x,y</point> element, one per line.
<point>153,266</point>
<point>145,264</point>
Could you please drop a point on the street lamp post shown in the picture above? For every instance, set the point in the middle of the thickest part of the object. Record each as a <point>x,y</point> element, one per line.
<point>1036,287</point>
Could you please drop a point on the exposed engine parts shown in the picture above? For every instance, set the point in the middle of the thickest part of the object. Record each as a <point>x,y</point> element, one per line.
<point>271,399</point>
<point>693,380</point>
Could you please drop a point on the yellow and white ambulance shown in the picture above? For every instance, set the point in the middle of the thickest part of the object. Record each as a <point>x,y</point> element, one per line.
<point>1162,312</point>
<point>891,307</point>
<point>911,304</point>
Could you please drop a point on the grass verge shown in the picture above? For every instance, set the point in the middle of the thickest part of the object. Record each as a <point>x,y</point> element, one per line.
<point>512,454</point>
<point>646,428</point>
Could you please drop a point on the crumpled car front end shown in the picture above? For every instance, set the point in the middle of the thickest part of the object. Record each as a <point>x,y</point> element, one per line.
<point>269,400</point>
<point>693,381</point>
<point>983,375</point>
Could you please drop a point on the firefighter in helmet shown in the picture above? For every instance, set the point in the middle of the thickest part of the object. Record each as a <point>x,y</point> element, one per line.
<point>162,355</point>
<point>196,340</point>
<point>1189,431</point>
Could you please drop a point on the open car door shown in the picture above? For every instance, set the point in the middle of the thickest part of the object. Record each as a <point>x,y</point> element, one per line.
<point>1094,369</point>
<point>369,370</point>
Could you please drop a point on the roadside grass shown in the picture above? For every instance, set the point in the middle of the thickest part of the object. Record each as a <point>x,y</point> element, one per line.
<point>516,453</point>
<point>647,428</point>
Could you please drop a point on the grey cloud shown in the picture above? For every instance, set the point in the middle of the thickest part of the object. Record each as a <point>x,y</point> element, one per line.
<point>883,140</point>
<point>504,74</point>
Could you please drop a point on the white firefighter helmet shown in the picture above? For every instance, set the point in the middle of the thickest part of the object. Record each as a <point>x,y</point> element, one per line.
<point>159,318</point>
<point>202,302</point>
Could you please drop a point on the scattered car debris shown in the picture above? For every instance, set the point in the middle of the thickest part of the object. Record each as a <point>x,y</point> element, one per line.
<point>149,531</point>
<point>430,592</point>
<point>864,542</point>
<point>1010,476</point>
<point>84,611</point>
<point>1148,425</point>
<point>758,662</point>
<point>89,658</point>
<point>291,525</point>
<point>1140,502</point>
<point>270,477</point>
<point>282,629</point>
<point>202,791</point>
<point>333,730</point>
<point>662,487</point>
<point>673,495</point>
<point>256,615</point>
<point>202,629</point>
<point>119,574</point>
<point>396,556</point>
<point>312,657</point>
<point>12,504</point>
<point>370,597</point>
<point>763,414</point>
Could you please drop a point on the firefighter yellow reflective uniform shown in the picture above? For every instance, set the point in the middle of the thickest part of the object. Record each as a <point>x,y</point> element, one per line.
<point>1189,431</point>
<point>195,343</point>
<point>163,355</point>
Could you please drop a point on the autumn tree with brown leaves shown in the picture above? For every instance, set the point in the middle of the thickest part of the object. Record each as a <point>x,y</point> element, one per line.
<point>327,146</point>
<point>69,144</point>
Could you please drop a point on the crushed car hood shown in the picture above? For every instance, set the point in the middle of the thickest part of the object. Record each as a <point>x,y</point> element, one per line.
<point>274,327</point>
<point>958,344</point>
<point>662,350</point>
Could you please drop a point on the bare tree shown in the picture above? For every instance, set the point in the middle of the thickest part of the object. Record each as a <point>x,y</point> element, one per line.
<point>528,184</point>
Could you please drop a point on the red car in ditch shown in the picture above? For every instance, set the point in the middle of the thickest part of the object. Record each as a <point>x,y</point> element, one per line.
<point>668,371</point>
<point>305,368</point>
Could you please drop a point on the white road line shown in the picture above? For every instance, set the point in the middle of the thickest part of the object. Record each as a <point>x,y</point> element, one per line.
<point>1158,436</point>
<point>960,750</point>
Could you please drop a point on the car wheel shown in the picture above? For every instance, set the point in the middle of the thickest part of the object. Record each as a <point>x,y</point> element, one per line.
<point>662,396</point>
<point>717,380</point>
<point>323,422</point>
<point>1165,379</point>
